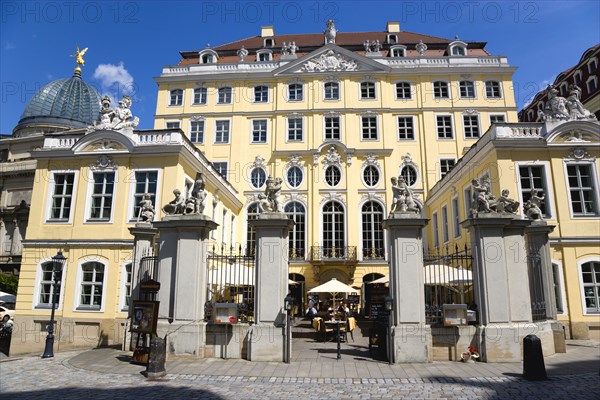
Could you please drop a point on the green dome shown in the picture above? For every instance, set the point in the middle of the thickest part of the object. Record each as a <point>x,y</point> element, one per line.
<point>66,103</point>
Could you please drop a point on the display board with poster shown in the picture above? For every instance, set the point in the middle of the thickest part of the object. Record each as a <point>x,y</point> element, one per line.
<point>144,317</point>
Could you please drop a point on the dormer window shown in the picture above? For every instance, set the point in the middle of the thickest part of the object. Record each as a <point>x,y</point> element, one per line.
<point>208,56</point>
<point>392,38</point>
<point>269,43</point>
<point>457,48</point>
<point>398,51</point>
<point>592,65</point>
<point>577,77</point>
<point>564,89</point>
<point>264,55</point>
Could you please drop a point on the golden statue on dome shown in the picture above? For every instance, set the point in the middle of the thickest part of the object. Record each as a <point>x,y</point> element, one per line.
<point>79,57</point>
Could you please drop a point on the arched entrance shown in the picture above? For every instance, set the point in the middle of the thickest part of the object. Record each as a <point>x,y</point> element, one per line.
<point>297,291</point>
<point>374,295</point>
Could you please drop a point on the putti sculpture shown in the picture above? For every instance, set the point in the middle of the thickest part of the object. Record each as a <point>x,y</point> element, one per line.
<point>403,201</point>
<point>192,205</point>
<point>533,206</point>
<point>484,202</point>
<point>270,202</point>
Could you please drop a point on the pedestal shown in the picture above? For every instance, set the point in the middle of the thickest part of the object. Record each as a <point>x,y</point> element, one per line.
<point>411,336</point>
<point>266,338</point>
<point>183,274</point>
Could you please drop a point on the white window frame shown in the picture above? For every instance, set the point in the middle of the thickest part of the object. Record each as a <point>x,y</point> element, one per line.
<point>455,47</point>
<point>362,138</point>
<point>132,183</point>
<point>362,231</point>
<point>414,128</point>
<point>173,121</point>
<point>435,228</point>
<point>122,286</point>
<point>203,121</point>
<point>417,174</point>
<point>474,83</point>
<point>194,96</point>
<point>465,126</point>
<point>457,229</point>
<point>445,224</point>
<point>254,90</point>
<point>287,129</point>
<point>581,287</point>
<point>339,168</point>
<point>79,280</point>
<point>228,134</point>
<point>264,52</point>
<point>594,61</point>
<point>321,230</point>
<point>440,164</point>
<point>375,91</point>
<point>595,192</point>
<point>266,121</point>
<point>218,97</point>
<point>448,87</point>
<point>220,162</point>
<point>36,305</point>
<point>251,171</point>
<point>49,196</point>
<point>410,90</point>
<point>208,52</point>
<point>289,85</point>
<point>500,89</point>
<point>171,97</point>
<point>561,283</point>
<point>594,79</point>
<point>577,77</point>
<point>287,181</point>
<point>339,86</point>
<point>339,117</point>
<point>548,189</point>
<point>397,47</point>
<point>90,191</point>
<point>497,115</point>
<point>293,229</point>
<point>451,127</point>
<point>362,175</point>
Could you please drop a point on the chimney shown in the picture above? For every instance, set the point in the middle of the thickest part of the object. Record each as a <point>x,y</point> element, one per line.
<point>267,31</point>
<point>393,27</point>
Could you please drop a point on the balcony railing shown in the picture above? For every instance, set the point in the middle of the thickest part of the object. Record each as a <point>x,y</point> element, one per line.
<point>297,254</point>
<point>333,254</point>
<point>373,254</point>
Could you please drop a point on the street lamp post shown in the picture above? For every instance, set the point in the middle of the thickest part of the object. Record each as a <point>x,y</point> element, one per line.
<point>289,305</point>
<point>58,262</point>
<point>389,306</point>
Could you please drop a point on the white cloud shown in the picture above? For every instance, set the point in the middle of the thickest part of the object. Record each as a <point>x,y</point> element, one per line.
<point>115,80</point>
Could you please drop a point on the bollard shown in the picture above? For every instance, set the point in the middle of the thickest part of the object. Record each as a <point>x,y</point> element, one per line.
<point>533,359</point>
<point>156,359</point>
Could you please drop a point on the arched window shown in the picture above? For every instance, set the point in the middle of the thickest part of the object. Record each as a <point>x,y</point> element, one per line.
<point>296,212</point>
<point>590,277</point>
<point>372,231</point>
<point>91,290</point>
<point>333,229</point>
<point>258,177</point>
<point>252,213</point>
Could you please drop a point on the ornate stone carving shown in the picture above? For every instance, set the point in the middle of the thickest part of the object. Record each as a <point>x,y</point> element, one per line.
<point>403,198</point>
<point>421,47</point>
<point>117,119</point>
<point>329,61</point>
<point>370,159</point>
<point>269,201</point>
<point>407,159</point>
<point>333,196</point>
<point>105,145</point>
<point>175,206</point>
<point>560,109</point>
<point>485,202</point>
<point>579,153</point>
<point>295,161</point>
<point>242,54</point>
<point>576,109</point>
<point>146,213</point>
<point>371,196</point>
<point>258,162</point>
<point>533,207</point>
<point>197,118</point>
<point>104,162</point>
<point>330,32</point>
<point>372,47</point>
<point>332,157</point>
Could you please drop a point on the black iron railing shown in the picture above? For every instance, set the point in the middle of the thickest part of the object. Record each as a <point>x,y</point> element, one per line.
<point>373,254</point>
<point>536,285</point>
<point>148,269</point>
<point>296,254</point>
<point>343,253</point>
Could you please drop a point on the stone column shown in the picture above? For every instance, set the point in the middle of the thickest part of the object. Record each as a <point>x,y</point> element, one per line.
<point>411,336</point>
<point>551,331</point>
<point>267,336</point>
<point>182,265</point>
<point>144,235</point>
<point>501,285</point>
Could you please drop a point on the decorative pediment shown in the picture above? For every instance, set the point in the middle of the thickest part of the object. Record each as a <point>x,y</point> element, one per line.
<point>106,141</point>
<point>579,153</point>
<point>370,159</point>
<point>104,162</point>
<point>259,162</point>
<point>104,145</point>
<point>331,58</point>
<point>295,161</point>
<point>333,196</point>
<point>332,157</point>
<point>294,196</point>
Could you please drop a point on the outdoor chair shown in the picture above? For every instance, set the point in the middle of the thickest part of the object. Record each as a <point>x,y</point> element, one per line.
<point>324,329</point>
<point>350,326</point>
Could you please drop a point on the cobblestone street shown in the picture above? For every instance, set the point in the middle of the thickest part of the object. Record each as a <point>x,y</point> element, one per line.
<point>102,374</point>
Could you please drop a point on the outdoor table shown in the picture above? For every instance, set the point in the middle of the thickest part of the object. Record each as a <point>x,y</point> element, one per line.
<point>337,334</point>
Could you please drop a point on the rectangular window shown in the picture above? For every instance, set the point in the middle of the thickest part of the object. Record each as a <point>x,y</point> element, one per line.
<point>145,182</point>
<point>102,195</point>
<point>497,118</point>
<point>222,131</point>
<point>446,164</point>
<point>126,287</point>
<point>176,97</point>
<point>455,217</point>
<point>92,285</point>
<point>367,90</point>
<point>533,177</point>
<point>224,227</point>
<point>406,129</point>
<point>197,132</point>
<point>295,92</point>
<point>261,94</point>
<point>467,89</point>
<point>332,128</point>
<point>295,132</point>
<point>403,91</point>
<point>435,227</point>
<point>221,168</point>
<point>259,131</point>
<point>582,187</point>
<point>445,230</point>
<point>468,197</point>
<point>173,125</point>
<point>557,275</point>
<point>369,128</point>
<point>441,90</point>
<point>444,127</point>
<point>492,90</point>
<point>224,95</point>
<point>200,95</point>
<point>471,125</point>
<point>332,91</point>
<point>590,276</point>
<point>47,285</point>
<point>62,196</point>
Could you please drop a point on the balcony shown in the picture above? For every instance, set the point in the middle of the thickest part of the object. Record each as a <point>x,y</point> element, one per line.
<point>323,255</point>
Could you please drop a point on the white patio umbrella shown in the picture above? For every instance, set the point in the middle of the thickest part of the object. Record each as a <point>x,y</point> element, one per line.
<point>439,275</point>
<point>7,298</point>
<point>334,287</point>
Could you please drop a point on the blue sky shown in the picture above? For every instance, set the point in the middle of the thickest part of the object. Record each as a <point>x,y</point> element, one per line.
<point>130,41</point>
